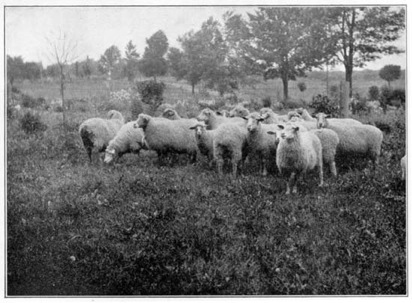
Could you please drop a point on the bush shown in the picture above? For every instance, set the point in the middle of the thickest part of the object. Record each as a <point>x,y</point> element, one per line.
<point>322,104</point>
<point>394,97</point>
<point>151,92</point>
<point>302,86</point>
<point>30,102</point>
<point>267,101</point>
<point>374,93</point>
<point>136,107</point>
<point>31,123</point>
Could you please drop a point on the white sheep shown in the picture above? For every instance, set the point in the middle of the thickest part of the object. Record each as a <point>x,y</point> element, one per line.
<point>356,139</point>
<point>171,114</point>
<point>239,111</point>
<point>223,112</point>
<point>212,120</point>
<point>329,140</point>
<point>298,152</point>
<point>323,121</point>
<point>403,167</point>
<point>96,133</point>
<point>305,115</point>
<point>230,141</point>
<point>271,117</point>
<point>204,139</point>
<point>259,141</point>
<point>127,140</point>
<point>164,135</point>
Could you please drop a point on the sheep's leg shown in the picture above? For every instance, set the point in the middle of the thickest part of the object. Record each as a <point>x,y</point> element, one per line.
<point>295,182</point>
<point>320,167</point>
<point>290,182</point>
<point>219,166</point>
<point>236,162</point>
<point>333,170</point>
<point>89,153</point>
<point>264,164</point>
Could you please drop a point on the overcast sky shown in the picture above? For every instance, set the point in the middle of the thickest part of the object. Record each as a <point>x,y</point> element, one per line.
<point>97,28</point>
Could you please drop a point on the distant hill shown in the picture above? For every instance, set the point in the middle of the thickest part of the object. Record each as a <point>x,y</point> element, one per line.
<point>363,75</point>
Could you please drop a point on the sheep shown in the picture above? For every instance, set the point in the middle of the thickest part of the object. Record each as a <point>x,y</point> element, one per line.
<point>259,141</point>
<point>239,111</point>
<point>171,114</point>
<point>298,152</point>
<point>356,139</point>
<point>223,112</point>
<point>204,140</point>
<point>294,116</point>
<point>230,140</point>
<point>329,140</point>
<point>212,120</point>
<point>96,133</point>
<point>305,115</point>
<point>323,121</point>
<point>164,135</point>
<point>271,117</point>
<point>403,167</point>
<point>127,140</point>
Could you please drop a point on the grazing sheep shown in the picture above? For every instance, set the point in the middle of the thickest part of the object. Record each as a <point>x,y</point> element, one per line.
<point>271,117</point>
<point>329,140</point>
<point>259,141</point>
<point>96,133</point>
<point>212,120</point>
<point>171,114</point>
<point>323,121</point>
<point>230,141</point>
<point>403,167</point>
<point>297,153</point>
<point>127,140</point>
<point>223,112</point>
<point>164,135</point>
<point>239,111</point>
<point>356,139</point>
<point>204,139</point>
<point>294,116</point>
<point>305,115</point>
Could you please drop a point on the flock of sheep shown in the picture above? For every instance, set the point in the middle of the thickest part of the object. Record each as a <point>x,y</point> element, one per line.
<point>298,141</point>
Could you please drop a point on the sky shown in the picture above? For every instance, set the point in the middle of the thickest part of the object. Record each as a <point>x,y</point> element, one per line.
<point>94,29</point>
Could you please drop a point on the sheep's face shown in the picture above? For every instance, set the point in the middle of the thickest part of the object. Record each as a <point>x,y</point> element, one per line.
<point>265,110</point>
<point>253,122</point>
<point>199,129</point>
<point>239,112</point>
<point>142,121</point>
<point>109,155</point>
<point>205,115</point>
<point>288,132</point>
<point>321,120</point>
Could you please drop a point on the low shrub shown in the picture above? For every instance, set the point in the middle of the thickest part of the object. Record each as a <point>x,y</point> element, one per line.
<point>323,104</point>
<point>31,123</point>
<point>30,102</point>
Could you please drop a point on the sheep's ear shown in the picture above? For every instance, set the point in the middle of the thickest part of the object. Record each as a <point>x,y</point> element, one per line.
<point>280,126</point>
<point>245,118</point>
<point>193,127</point>
<point>295,128</point>
<point>271,132</point>
<point>260,119</point>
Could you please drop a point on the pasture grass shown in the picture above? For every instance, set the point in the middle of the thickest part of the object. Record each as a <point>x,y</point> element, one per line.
<point>136,228</point>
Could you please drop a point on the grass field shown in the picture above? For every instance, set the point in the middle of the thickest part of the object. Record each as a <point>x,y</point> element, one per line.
<point>135,228</point>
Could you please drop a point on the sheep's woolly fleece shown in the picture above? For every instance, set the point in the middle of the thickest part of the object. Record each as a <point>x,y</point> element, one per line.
<point>127,140</point>
<point>212,120</point>
<point>204,139</point>
<point>330,141</point>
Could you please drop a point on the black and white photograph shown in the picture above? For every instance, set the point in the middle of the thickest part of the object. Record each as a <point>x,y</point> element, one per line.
<point>205,150</point>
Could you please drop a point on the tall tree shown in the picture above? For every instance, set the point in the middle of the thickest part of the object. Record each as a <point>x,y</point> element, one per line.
<point>64,51</point>
<point>363,34</point>
<point>153,63</point>
<point>109,60</point>
<point>390,73</point>
<point>132,57</point>
<point>284,41</point>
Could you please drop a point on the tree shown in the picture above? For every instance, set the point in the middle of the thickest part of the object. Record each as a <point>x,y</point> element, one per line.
<point>131,67</point>
<point>363,34</point>
<point>176,67</point>
<point>282,42</point>
<point>390,73</point>
<point>63,51</point>
<point>87,68</point>
<point>15,68</point>
<point>153,63</point>
<point>109,60</point>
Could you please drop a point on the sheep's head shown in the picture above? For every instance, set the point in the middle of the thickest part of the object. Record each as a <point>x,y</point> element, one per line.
<point>170,113</point>
<point>239,111</point>
<point>294,116</point>
<point>199,128</point>
<point>109,155</point>
<point>223,113</point>
<point>114,114</point>
<point>287,132</point>
<point>205,115</point>
<point>142,121</point>
<point>253,121</point>
<point>322,122</point>
<point>265,110</point>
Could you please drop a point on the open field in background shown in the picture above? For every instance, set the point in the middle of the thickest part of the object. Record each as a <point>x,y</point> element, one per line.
<point>135,228</point>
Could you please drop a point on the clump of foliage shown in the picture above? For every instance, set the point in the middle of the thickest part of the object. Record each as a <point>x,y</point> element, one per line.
<point>302,86</point>
<point>151,92</point>
<point>266,101</point>
<point>30,102</point>
<point>31,123</point>
<point>394,97</point>
<point>390,73</point>
<point>373,92</point>
<point>136,106</point>
<point>323,104</point>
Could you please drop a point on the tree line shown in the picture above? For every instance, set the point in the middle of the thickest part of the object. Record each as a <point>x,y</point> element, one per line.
<point>274,42</point>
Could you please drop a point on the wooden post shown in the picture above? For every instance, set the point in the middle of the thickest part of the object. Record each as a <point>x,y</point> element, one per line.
<point>345,99</point>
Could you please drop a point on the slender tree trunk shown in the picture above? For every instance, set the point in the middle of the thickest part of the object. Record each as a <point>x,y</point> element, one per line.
<point>285,82</point>
<point>62,95</point>
<point>193,89</point>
